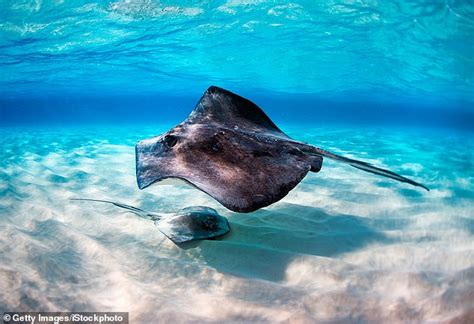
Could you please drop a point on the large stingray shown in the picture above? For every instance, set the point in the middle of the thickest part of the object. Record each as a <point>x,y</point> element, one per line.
<point>229,148</point>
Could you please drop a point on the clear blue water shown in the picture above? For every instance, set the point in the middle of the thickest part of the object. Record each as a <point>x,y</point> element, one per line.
<point>391,83</point>
<point>311,61</point>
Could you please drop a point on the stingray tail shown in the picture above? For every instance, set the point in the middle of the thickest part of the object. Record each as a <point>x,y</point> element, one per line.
<point>137,211</point>
<point>360,165</point>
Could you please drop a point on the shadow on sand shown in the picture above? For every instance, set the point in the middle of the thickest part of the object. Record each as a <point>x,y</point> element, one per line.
<point>262,244</point>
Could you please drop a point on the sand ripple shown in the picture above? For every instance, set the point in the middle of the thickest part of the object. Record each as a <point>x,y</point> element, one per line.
<point>343,246</point>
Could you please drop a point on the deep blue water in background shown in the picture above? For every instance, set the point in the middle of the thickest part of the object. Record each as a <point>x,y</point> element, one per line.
<point>387,82</point>
<point>375,62</point>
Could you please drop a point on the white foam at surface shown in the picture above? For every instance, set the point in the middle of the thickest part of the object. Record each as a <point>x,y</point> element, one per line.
<point>342,246</point>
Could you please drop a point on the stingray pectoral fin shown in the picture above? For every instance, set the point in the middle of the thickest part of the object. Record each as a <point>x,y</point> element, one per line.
<point>224,108</point>
<point>360,165</point>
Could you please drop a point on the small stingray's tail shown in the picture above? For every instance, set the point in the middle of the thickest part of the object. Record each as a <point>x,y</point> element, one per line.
<point>137,211</point>
<point>360,165</point>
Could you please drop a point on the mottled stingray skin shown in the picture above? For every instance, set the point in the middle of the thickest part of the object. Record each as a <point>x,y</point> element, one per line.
<point>193,223</point>
<point>231,150</point>
<point>188,224</point>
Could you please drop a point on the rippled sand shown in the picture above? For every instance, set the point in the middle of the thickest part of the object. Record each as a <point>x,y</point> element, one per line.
<point>344,245</point>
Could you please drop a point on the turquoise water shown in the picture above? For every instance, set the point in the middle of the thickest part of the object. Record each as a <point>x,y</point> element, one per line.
<point>391,83</point>
<point>156,57</point>
<point>342,245</point>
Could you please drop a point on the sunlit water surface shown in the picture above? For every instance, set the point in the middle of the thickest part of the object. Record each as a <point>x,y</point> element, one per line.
<point>373,80</point>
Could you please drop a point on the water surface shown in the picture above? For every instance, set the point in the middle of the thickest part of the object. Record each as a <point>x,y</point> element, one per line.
<point>388,82</point>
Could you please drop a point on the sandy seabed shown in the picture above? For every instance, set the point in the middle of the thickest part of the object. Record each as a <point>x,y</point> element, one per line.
<point>343,246</point>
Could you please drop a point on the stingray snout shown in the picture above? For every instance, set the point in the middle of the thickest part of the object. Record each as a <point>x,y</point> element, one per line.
<point>147,153</point>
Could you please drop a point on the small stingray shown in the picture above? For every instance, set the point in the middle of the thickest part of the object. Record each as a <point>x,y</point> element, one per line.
<point>231,150</point>
<point>188,224</point>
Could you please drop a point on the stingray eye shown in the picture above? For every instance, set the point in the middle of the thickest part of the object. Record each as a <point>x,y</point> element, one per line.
<point>170,140</point>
